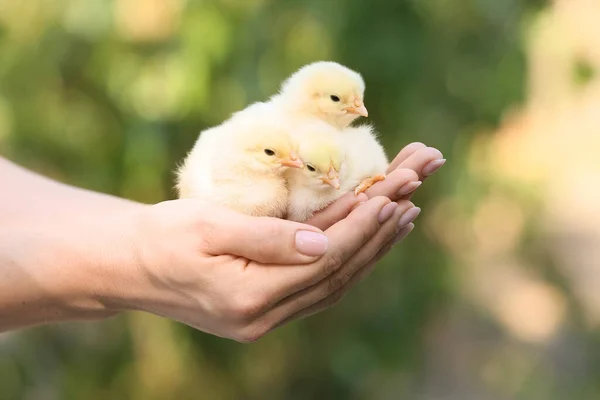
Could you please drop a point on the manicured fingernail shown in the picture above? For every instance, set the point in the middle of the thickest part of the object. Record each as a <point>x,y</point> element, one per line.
<point>409,216</point>
<point>386,212</point>
<point>311,243</point>
<point>403,233</point>
<point>409,188</point>
<point>433,166</point>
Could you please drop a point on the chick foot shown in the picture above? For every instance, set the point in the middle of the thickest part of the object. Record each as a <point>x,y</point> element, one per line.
<point>367,183</point>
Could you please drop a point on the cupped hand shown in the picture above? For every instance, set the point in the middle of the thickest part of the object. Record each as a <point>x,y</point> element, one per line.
<point>413,164</point>
<point>407,171</point>
<point>238,276</point>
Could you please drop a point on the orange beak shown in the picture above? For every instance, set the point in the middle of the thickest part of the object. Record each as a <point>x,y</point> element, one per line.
<point>359,108</point>
<point>335,182</point>
<point>332,179</point>
<point>293,161</point>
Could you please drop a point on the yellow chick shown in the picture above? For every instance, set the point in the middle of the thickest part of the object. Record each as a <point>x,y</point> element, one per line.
<point>241,164</point>
<point>365,160</point>
<point>315,186</point>
<point>325,90</point>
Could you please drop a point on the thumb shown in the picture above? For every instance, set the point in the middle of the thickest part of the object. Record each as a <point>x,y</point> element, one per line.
<point>266,240</point>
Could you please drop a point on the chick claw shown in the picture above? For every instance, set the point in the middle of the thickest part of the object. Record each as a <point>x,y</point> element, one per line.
<point>367,183</point>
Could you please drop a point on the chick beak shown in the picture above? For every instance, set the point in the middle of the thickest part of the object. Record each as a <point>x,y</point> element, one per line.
<point>333,182</point>
<point>359,108</point>
<point>332,179</point>
<point>292,161</point>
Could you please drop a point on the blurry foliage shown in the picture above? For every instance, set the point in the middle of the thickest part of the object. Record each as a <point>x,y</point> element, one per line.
<point>110,95</point>
<point>583,72</point>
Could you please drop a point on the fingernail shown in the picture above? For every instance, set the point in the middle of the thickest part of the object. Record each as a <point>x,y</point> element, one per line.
<point>433,166</point>
<point>311,243</point>
<point>409,216</point>
<point>386,212</point>
<point>409,188</point>
<point>403,233</point>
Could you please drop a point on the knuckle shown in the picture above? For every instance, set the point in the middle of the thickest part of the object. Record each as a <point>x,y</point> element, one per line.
<point>335,283</point>
<point>367,228</point>
<point>271,230</point>
<point>251,333</point>
<point>209,232</point>
<point>332,262</point>
<point>336,297</point>
<point>248,307</point>
<point>271,235</point>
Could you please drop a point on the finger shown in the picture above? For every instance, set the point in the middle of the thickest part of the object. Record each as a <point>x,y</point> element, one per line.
<point>420,161</point>
<point>358,277</point>
<point>406,159</point>
<point>336,211</point>
<point>345,238</point>
<point>406,152</point>
<point>370,266</point>
<point>339,278</point>
<point>397,183</point>
<point>262,239</point>
<point>424,162</point>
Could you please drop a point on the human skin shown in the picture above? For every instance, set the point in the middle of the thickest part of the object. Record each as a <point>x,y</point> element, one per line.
<point>70,254</point>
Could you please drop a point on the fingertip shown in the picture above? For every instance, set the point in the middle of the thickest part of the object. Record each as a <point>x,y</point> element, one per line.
<point>403,233</point>
<point>381,199</point>
<point>435,152</point>
<point>406,152</point>
<point>412,148</point>
<point>408,188</point>
<point>433,166</point>
<point>373,205</point>
<point>407,173</point>
<point>405,204</point>
<point>362,197</point>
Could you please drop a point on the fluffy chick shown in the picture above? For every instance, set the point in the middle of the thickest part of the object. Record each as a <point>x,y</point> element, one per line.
<point>365,159</point>
<point>335,163</point>
<point>241,164</point>
<point>317,184</point>
<point>325,90</point>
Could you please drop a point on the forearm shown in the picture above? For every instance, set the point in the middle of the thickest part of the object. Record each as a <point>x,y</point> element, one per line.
<point>59,249</point>
<point>27,197</point>
<point>61,272</point>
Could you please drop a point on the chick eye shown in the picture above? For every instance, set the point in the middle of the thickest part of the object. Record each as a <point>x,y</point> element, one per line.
<point>310,168</point>
<point>335,98</point>
<point>269,152</point>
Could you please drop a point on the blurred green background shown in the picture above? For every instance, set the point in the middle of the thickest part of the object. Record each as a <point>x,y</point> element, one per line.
<point>493,296</point>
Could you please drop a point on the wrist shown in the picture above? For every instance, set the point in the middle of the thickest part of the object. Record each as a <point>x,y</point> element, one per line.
<point>41,282</point>
<point>114,262</point>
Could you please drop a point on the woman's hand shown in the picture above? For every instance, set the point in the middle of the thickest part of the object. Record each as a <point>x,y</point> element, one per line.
<point>84,255</point>
<point>413,164</point>
<point>238,276</point>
